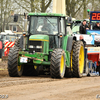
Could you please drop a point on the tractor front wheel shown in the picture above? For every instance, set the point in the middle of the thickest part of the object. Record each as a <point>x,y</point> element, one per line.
<point>57,67</point>
<point>14,69</point>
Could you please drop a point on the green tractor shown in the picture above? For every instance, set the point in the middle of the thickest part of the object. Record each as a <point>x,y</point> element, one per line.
<point>46,47</point>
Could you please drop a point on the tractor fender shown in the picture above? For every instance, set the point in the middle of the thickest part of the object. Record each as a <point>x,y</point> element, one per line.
<point>70,43</point>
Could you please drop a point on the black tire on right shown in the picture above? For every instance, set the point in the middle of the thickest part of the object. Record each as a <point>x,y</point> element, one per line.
<point>78,48</point>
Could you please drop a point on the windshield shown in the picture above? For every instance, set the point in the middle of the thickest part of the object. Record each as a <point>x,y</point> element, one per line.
<point>44,25</point>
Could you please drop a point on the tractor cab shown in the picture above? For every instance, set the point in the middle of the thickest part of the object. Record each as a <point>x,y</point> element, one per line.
<point>47,26</point>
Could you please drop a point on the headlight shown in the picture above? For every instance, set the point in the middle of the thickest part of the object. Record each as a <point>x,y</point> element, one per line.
<point>39,47</point>
<point>31,46</point>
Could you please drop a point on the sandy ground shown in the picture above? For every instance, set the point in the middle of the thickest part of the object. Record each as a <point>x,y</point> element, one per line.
<point>46,88</point>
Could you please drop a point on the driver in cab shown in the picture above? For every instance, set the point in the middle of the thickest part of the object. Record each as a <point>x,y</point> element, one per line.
<point>46,26</point>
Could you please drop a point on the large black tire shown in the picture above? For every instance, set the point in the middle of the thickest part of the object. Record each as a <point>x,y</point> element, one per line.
<point>17,43</point>
<point>57,67</point>
<point>30,70</point>
<point>13,69</point>
<point>78,59</point>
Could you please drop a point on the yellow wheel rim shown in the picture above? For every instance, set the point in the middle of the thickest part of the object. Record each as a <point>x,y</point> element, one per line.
<point>35,67</point>
<point>62,64</point>
<point>19,68</point>
<point>81,59</point>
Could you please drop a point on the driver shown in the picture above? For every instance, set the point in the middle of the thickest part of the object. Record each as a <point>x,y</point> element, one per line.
<point>47,27</point>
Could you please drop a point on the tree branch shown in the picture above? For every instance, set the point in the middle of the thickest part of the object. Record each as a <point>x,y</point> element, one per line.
<point>79,8</point>
<point>21,6</point>
<point>48,4</point>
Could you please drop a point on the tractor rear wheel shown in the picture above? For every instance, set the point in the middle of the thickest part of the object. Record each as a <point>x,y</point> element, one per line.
<point>57,67</point>
<point>78,59</point>
<point>14,69</point>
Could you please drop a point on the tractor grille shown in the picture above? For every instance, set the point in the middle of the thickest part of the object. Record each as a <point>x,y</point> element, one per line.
<point>35,46</point>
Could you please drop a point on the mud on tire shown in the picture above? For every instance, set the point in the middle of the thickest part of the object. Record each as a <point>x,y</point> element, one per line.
<point>57,67</point>
<point>17,43</point>
<point>78,59</point>
<point>13,69</point>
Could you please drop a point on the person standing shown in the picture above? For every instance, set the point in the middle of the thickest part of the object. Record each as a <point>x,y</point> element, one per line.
<point>82,39</point>
<point>83,27</point>
<point>97,26</point>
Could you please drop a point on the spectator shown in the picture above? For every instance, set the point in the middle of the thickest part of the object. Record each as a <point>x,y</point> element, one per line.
<point>82,39</point>
<point>83,27</point>
<point>97,26</point>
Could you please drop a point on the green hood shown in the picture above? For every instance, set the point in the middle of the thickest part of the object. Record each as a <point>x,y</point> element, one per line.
<point>39,38</point>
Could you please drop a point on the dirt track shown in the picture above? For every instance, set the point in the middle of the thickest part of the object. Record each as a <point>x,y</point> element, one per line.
<point>46,88</point>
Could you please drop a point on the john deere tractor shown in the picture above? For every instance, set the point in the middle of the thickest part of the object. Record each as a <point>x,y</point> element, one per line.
<point>46,47</point>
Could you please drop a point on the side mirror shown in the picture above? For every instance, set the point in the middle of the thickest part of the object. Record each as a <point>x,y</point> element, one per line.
<point>15,18</point>
<point>69,20</point>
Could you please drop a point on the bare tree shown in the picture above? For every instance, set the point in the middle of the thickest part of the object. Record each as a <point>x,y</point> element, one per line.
<point>73,6</point>
<point>78,8</point>
<point>34,5</point>
<point>6,7</point>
